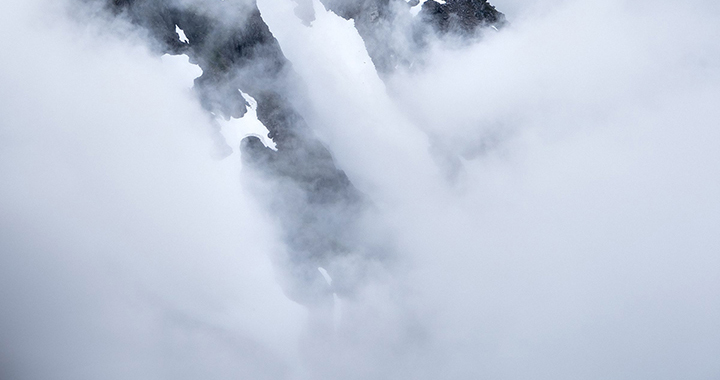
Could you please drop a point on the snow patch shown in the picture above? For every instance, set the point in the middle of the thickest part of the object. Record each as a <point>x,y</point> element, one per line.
<point>337,304</point>
<point>415,10</point>
<point>181,35</point>
<point>235,130</point>
<point>325,275</point>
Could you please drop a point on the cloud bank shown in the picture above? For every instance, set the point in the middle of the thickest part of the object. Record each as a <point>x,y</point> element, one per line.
<point>550,193</point>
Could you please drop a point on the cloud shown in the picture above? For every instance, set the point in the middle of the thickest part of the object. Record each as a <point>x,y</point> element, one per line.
<point>577,236</point>
<point>127,249</point>
<point>549,193</point>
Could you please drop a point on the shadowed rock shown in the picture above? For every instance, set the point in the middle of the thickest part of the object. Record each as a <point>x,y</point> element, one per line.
<point>394,38</point>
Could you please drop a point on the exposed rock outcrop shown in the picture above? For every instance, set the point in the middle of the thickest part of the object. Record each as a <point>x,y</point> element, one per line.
<point>394,38</point>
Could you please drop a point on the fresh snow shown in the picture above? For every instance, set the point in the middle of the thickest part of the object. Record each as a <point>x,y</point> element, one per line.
<point>337,303</point>
<point>235,130</point>
<point>181,35</point>
<point>325,275</point>
<point>416,9</point>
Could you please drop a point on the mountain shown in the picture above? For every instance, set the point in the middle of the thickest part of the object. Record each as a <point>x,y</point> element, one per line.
<point>318,206</point>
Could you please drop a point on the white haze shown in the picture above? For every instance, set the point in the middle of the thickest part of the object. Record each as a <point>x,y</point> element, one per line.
<point>552,192</point>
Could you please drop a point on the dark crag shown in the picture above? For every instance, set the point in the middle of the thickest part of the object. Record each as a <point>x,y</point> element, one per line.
<point>394,38</point>
<point>461,17</point>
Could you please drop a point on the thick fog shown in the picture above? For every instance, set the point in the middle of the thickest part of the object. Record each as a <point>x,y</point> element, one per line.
<point>549,196</point>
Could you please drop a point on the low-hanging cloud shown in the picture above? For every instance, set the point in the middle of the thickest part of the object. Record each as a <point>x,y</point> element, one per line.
<point>578,234</point>
<point>127,250</point>
<point>550,193</point>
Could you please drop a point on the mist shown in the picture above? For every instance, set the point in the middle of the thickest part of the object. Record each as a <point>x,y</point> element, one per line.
<point>545,198</point>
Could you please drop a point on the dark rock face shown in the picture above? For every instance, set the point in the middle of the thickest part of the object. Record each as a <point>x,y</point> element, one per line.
<point>318,208</point>
<point>462,17</point>
<point>394,38</point>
